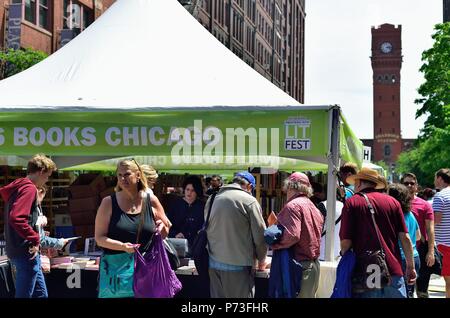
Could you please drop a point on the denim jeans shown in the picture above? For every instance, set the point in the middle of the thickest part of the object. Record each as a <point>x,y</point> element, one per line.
<point>410,288</point>
<point>395,290</point>
<point>30,282</point>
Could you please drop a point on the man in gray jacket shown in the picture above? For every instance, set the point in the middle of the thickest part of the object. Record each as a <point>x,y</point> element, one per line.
<point>235,239</point>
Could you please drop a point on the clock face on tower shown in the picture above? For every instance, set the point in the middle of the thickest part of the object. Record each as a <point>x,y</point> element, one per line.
<point>386,47</point>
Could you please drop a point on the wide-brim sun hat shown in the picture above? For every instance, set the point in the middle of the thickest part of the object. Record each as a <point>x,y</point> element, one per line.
<point>368,175</point>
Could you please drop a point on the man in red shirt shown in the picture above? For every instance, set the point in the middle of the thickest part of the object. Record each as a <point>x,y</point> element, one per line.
<point>21,234</point>
<point>358,232</point>
<point>423,212</point>
<point>303,224</point>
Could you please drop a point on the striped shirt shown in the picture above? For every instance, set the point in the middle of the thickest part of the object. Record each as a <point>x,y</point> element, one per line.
<point>441,204</point>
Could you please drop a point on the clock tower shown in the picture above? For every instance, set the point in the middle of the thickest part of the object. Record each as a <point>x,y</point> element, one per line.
<point>386,64</point>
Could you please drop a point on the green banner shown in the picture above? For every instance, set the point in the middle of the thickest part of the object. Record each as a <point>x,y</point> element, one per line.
<point>166,164</point>
<point>186,136</point>
<point>351,148</point>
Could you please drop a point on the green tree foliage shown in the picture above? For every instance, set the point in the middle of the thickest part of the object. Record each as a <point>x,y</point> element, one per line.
<point>432,150</point>
<point>428,156</point>
<point>436,89</point>
<point>15,61</point>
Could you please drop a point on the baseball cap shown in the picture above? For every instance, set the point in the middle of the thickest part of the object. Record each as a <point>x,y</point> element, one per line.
<point>247,176</point>
<point>300,177</point>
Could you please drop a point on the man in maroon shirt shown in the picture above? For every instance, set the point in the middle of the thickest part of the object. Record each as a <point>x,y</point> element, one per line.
<point>423,212</point>
<point>302,223</point>
<point>22,237</point>
<point>358,232</point>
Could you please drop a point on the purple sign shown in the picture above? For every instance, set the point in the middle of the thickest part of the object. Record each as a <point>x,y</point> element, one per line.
<point>14,26</point>
<point>67,35</point>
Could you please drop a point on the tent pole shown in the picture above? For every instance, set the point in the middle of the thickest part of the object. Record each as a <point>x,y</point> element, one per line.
<point>333,162</point>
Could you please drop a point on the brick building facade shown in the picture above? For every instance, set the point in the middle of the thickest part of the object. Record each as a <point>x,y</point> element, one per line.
<point>267,34</point>
<point>42,23</point>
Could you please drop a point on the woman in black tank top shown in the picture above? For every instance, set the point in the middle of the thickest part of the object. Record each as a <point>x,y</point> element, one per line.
<point>126,218</point>
<point>124,227</point>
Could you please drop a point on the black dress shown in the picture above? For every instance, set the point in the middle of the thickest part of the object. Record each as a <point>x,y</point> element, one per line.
<point>186,218</point>
<point>124,227</point>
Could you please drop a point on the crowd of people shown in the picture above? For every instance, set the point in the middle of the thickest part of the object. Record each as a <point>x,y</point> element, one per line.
<point>371,215</point>
<point>407,226</point>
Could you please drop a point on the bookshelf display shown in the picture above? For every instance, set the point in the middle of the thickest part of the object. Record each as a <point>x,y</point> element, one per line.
<point>57,198</point>
<point>269,192</point>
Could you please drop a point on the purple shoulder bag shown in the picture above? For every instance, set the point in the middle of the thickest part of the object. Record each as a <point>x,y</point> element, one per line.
<point>153,276</point>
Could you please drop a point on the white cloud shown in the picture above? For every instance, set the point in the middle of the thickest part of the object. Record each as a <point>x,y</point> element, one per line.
<point>338,49</point>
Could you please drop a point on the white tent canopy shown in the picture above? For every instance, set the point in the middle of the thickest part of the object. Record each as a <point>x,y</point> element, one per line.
<point>375,167</point>
<point>136,56</point>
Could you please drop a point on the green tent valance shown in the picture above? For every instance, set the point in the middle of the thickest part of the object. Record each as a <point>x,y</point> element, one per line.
<point>181,139</point>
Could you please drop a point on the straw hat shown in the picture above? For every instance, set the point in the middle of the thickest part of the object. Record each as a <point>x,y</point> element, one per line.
<point>368,175</point>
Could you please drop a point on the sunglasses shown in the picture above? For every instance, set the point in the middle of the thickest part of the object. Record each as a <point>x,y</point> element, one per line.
<point>409,183</point>
<point>139,167</point>
<point>137,164</point>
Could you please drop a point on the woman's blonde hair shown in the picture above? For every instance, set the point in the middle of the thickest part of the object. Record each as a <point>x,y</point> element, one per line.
<point>133,166</point>
<point>150,173</point>
<point>297,186</point>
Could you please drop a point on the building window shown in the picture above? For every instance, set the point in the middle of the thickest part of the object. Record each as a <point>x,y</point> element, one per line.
<point>30,11</point>
<point>43,14</point>
<point>76,15</point>
<point>37,12</point>
<point>387,150</point>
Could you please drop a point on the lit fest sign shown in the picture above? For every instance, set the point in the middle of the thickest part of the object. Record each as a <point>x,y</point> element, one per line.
<point>297,134</point>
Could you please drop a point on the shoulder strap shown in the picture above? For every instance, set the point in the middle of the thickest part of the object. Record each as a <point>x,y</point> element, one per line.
<point>114,203</point>
<point>142,217</point>
<point>335,223</point>
<point>149,210</point>
<point>372,213</point>
<point>149,207</point>
<point>213,196</point>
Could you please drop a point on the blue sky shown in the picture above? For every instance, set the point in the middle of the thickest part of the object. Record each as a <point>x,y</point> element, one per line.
<point>338,49</point>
